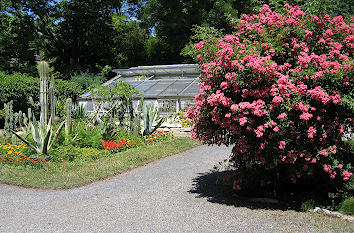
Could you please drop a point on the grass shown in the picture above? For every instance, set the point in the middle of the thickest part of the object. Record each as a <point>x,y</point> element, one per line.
<point>65,178</point>
<point>294,221</point>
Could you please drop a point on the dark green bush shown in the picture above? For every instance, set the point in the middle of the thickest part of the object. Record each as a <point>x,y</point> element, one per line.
<point>347,206</point>
<point>19,87</point>
<point>85,80</point>
<point>87,135</point>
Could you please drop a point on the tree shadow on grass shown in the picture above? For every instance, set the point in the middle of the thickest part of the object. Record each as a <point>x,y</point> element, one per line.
<point>206,187</point>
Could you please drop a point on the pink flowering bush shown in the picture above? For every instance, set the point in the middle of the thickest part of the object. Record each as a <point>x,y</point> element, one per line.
<point>280,90</point>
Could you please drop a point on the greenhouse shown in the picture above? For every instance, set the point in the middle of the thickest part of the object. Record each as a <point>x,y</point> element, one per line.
<point>173,87</point>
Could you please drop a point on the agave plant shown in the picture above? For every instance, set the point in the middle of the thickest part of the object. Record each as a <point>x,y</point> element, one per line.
<point>42,134</point>
<point>150,117</point>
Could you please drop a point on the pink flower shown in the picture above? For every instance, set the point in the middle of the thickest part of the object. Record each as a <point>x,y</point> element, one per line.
<point>228,115</point>
<point>333,149</point>
<point>224,85</point>
<point>346,175</point>
<point>234,108</point>
<point>243,121</point>
<point>340,166</point>
<point>282,115</point>
<point>276,129</point>
<point>324,152</point>
<point>333,174</point>
<point>327,168</point>
<point>282,145</point>
<point>306,116</point>
<point>277,100</point>
<point>311,132</point>
<point>199,45</point>
<point>336,99</point>
<point>236,186</point>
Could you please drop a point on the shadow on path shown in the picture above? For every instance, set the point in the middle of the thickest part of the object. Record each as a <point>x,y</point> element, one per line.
<point>205,186</point>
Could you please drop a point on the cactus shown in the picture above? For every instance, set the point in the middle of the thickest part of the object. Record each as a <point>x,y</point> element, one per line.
<point>9,120</point>
<point>135,121</point>
<point>68,122</point>
<point>25,127</point>
<point>42,132</point>
<point>52,100</point>
<point>43,70</point>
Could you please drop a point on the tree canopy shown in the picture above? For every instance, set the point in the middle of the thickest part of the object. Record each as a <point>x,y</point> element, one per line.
<point>85,36</point>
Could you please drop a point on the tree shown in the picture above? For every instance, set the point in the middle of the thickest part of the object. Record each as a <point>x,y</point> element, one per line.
<point>172,21</point>
<point>129,42</point>
<point>17,43</point>
<point>84,35</point>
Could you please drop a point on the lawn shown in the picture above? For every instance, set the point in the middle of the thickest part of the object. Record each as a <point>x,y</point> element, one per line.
<point>65,177</point>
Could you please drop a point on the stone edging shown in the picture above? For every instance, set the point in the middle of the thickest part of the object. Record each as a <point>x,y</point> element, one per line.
<point>333,214</point>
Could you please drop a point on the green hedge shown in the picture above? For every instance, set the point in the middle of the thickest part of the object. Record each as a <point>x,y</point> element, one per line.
<point>19,87</point>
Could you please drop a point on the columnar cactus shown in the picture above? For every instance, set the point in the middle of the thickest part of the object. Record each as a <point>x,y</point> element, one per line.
<point>43,70</point>
<point>52,101</point>
<point>9,119</point>
<point>68,122</point>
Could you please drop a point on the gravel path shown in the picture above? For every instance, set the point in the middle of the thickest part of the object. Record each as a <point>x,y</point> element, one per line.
<point>154,198</point>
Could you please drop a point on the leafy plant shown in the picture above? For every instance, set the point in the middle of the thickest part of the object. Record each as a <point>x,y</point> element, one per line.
<point>115,101</point>
<point>307,205</point>
<point>88,135</point>
<point>79,112</point>
<point>108,130</point>
<point>347,206</point>
<point>85,80</point>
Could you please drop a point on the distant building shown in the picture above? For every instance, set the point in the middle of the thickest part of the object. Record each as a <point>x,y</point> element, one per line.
<point>172,86</point>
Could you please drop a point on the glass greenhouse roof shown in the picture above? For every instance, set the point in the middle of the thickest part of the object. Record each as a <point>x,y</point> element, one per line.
<point>167,88</point>
<point>163,81</point>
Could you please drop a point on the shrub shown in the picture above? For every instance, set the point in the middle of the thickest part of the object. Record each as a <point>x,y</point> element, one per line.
<point>307,205</point>
<point>88,135</point>
<point>85,80</point>
<point>20,87</point>
<point>280,90</point>
<point>347,206</point>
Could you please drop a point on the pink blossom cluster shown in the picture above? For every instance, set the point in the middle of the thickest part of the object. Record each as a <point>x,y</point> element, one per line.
<point>278,106</point>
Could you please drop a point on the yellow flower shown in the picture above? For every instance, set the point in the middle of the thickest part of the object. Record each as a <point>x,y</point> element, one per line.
<point>9,152</point>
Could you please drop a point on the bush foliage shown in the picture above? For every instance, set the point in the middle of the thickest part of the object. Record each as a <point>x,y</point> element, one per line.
<point>19,87</point>
<point>280,90</point>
